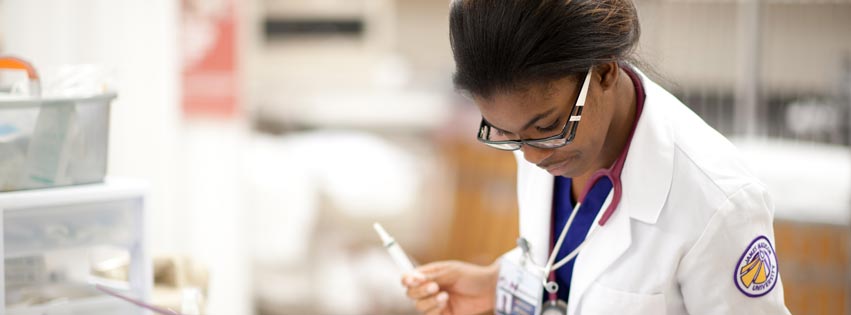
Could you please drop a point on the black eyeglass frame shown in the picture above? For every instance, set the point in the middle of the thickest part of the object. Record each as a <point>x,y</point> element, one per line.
<point>568,132</point>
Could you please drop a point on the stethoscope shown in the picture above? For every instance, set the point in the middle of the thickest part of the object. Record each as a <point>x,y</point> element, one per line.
<point>614,175</point>
<point>555,306</point>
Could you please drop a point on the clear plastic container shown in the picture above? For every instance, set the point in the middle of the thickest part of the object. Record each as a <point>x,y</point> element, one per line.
<point>53,141</point>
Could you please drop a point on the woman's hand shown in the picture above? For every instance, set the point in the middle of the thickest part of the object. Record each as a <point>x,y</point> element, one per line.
<point>452,288</point>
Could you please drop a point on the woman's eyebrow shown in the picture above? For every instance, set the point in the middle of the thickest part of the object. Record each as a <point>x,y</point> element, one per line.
<point>497,128</point>
<point>537,118</point>
<point>528,124</point>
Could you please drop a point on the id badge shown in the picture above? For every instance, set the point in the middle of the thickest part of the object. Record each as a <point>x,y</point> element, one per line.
<point>518,289</point>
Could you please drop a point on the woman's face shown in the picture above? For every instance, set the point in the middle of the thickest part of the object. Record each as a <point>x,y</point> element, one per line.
<point>540,111</point>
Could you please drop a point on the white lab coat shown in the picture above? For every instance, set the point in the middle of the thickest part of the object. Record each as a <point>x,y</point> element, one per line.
<point>689,210</point>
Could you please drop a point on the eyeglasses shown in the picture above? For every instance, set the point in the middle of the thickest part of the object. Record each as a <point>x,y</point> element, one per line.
<point>494,137</point>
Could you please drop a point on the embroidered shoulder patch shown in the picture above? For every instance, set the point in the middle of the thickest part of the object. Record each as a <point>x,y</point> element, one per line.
<point>756,271</point>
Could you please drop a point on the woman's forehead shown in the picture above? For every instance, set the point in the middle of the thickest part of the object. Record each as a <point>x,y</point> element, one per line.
<point>529,98</point>
<point>513,110</point>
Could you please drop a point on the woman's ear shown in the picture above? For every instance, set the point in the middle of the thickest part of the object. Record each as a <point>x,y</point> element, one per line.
<point>608,73</point>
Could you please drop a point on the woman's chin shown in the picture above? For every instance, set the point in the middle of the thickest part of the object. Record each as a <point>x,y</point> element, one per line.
<point>566,168</point>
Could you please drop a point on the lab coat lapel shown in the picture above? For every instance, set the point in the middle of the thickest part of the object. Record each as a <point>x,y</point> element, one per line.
<point>604,245</point>
<point>535,195</point>
<point>649,167</point>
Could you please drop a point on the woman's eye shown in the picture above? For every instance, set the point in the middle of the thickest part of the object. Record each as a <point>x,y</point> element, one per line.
<point>551,127</point>
<point>499,132</point>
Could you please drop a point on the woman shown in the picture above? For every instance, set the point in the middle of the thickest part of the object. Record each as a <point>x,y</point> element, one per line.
<point>669,220</point>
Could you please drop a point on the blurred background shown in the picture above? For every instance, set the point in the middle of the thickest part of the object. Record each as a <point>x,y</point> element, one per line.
<point>273,133</point>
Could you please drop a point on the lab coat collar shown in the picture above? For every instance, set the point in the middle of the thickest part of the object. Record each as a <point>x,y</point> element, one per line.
<point>649,166</point>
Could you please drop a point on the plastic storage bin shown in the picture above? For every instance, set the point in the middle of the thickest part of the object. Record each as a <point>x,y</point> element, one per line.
<point>47,142</point>
<point>55,242</point>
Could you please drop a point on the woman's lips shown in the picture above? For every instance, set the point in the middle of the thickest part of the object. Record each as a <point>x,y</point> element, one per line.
<point>558,168</point>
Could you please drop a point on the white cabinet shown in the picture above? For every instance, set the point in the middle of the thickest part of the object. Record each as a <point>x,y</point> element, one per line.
<point>57,243</point>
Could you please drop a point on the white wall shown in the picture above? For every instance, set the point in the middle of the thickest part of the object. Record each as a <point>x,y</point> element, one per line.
<point>396,73</point>
<point>694,43</point>
<point>137,41</point>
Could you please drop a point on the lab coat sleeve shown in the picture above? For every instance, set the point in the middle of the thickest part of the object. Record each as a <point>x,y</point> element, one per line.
<point>708,272</point>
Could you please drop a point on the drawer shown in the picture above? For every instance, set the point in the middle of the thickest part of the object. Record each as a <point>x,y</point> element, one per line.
<point>33,230</point>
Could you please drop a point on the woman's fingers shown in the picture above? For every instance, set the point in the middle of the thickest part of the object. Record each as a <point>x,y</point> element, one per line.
<point>433,305</point>
<point>414,278</point>
<point>424,284</point>
<point>422,291</point>
<point>442,272</point>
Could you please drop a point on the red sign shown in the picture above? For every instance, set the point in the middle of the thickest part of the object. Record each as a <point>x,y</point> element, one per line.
<point>210,77</point>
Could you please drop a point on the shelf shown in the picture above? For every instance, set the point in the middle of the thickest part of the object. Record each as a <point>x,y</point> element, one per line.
<point>111,189</point>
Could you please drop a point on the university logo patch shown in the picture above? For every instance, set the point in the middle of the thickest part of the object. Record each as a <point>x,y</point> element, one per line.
<point>756,271</point>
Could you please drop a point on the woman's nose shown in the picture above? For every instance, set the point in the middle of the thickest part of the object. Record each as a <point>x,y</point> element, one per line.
<point>535,155</point>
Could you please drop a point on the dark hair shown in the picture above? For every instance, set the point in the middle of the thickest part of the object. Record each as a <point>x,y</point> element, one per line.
<point>501,45</point>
